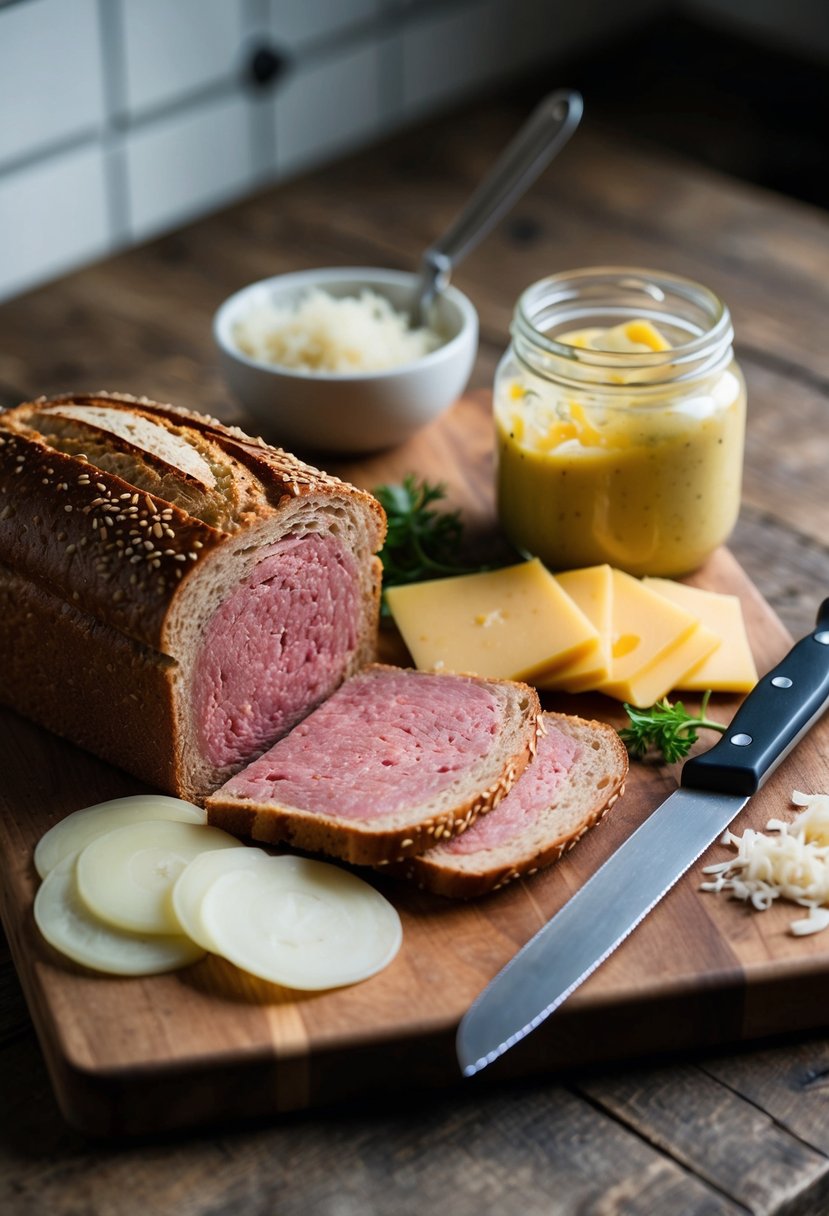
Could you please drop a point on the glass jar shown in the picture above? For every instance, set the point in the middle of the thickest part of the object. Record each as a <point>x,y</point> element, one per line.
<point>631,456</point>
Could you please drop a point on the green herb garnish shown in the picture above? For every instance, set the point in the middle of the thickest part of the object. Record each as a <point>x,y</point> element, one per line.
<point>667,728</point>
<point>421,542</point>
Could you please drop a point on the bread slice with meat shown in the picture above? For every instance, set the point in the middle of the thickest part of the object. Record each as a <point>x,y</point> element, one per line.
<point>395,760</point>
<point>175,595</point>
<point>577,775</point>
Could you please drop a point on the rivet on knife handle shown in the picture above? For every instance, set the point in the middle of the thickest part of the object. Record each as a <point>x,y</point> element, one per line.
<point>771,721</point>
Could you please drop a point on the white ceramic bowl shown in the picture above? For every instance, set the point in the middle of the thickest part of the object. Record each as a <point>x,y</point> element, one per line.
<point>356,412</point>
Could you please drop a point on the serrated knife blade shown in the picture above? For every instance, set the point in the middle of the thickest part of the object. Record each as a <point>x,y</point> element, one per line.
<point>715,786</point>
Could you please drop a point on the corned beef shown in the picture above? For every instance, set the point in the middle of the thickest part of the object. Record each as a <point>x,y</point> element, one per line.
<point>393,761</point>
<point>537,789</point>
<point>576,777</point>
<point>276,647</point>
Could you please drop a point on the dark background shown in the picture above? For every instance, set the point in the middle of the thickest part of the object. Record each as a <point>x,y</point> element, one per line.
<point>727,99</point>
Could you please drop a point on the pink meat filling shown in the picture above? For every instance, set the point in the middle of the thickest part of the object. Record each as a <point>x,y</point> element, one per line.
<point>534,791</point>
<point>383,741</point>
<point>276,648</point>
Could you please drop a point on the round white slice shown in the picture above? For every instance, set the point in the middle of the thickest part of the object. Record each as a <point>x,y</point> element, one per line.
<point>301,923</point>
<point>127,875</point>
<point>78,829</point>
<point>69,926</point>
<point>195,881</point>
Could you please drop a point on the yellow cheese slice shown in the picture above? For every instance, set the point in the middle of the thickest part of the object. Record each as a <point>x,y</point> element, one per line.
<point>729,668</point>
<point>654,642</point>
<point>591,589</point>
<point>504,624</point>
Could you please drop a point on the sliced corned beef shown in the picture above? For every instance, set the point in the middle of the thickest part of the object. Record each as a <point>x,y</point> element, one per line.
<point>576,777</point>
<point>393,761</point>
<point>276,647</point>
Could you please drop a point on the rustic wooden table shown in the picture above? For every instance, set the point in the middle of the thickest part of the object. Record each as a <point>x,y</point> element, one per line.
<point>744,1131</point>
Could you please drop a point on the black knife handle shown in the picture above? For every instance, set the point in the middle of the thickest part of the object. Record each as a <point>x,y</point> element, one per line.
<point>771,721</point>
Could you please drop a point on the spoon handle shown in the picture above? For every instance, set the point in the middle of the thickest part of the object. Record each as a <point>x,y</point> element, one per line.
<point>545,132</point>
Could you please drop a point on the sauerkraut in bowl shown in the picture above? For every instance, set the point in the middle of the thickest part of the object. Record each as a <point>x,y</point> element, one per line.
<point>327,361</point>
<point>321,332</point>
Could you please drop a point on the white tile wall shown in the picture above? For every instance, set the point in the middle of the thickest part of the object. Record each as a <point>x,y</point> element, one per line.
<point>293,23</point>
<point>328,108</point>
<point>184,165</point>
<point>452,53</point>
<point>173,48</point>
<point>50,75</point>
<point>53,217</point>
<point>447,54</point>
<point>121,119</point>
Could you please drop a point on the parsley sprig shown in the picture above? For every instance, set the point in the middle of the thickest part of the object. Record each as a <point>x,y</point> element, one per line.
<point>421,542</point>
<point>666,727</point>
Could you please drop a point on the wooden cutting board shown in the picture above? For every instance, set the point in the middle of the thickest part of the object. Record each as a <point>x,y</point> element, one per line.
<point>213,1044</point>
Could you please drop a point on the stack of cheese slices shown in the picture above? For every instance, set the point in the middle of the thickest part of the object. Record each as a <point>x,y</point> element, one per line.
<point>595,629</point>
<point>141,885</point>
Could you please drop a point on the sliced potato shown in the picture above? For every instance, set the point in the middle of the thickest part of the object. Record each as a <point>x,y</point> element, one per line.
<point>77,830</point>
<point>301,923</point>
<point>196,879</point>
<point>68,925</point>
<point>127,875</point>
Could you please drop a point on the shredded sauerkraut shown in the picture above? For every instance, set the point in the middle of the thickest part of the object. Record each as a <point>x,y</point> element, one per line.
<point>790,863</point>
<point>324,333</point>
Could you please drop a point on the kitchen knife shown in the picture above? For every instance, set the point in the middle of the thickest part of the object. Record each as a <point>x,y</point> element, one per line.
<point>714,787</point>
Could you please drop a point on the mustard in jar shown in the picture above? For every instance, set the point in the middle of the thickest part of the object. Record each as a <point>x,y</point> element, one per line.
<point>620,417</point>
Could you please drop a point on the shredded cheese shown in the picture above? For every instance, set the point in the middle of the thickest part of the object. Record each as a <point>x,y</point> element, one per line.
<point>792,864</point>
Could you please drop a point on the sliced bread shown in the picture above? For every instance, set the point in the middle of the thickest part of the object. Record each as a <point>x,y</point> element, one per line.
<point>576,776</point>
<point>393,761</point>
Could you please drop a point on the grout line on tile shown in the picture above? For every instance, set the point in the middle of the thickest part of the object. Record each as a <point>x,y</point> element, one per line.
<point>50,150</point>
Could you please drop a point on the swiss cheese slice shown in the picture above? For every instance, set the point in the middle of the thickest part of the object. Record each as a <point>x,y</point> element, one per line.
<point>301,923</point>
<point>80,828</point>
<point>195,881</point>
<point>504,624</point>
<point>730,667</point>
<point>591,589</point>
<point>654,643</point>
<point>68,925</point>
<point>126,876</point>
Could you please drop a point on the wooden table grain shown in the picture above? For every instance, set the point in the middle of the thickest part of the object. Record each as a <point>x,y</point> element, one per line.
<point>742,1131</point>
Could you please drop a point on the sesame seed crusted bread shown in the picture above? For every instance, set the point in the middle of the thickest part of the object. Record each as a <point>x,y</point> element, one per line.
<point>395,760</point>
<point>125,525</point>
<point>577,775</point>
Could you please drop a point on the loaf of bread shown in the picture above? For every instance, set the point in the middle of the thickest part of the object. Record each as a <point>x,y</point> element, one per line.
<point>395,760</point>
<point>174,595</point>
<point>578,773</point>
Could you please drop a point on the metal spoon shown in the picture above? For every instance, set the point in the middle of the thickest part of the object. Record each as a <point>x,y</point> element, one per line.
<point>544,134</point>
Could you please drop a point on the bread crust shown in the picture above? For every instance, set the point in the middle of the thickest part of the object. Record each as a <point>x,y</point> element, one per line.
<point>350,842</point>
<point>131,564</point>
<point>92,684</point>
<point>120,553</point>
<point>442,875</point>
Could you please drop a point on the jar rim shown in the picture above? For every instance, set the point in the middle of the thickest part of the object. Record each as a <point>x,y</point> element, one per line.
<point>655,287</point>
